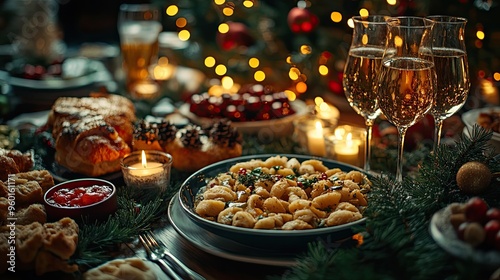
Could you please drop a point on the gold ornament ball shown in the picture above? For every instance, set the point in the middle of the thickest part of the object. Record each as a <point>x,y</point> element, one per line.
<point>473,177</point>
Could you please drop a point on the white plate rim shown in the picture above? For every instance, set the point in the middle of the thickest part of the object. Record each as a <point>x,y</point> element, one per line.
<point>298,105</point>
<point>469,118</point>
<point>443,233</point>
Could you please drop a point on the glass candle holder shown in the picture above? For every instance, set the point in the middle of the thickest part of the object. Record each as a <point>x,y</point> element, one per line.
<point>147,169</point>
<point>309,133</point>
<point>345,144</point>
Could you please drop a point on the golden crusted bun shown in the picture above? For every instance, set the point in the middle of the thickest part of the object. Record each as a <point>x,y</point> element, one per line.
<point>116,110</point>
<point>90,146</point>
<point>192,159</point>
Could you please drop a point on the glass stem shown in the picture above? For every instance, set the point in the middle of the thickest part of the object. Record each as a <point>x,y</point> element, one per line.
<point>368,141</point>
<point>401,143</point>
<point>438,127</point>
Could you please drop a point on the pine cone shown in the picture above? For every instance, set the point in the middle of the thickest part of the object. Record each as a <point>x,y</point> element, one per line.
<point>166,131</point>
<point>145,131</point>
<point>222,133</point>
<point>190,137</point>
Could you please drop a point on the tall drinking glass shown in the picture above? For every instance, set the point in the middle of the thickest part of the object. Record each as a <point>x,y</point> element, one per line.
<point>407,81</point>
<point>361,71</point>
<point>139,27</point>
<point>452,69</point>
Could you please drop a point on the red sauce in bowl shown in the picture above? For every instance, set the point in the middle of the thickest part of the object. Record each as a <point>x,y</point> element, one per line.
<point>81,196</point>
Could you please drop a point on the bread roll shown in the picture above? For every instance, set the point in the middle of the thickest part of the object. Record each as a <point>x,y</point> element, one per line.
<point>90,146</point>
<point>116,110</point>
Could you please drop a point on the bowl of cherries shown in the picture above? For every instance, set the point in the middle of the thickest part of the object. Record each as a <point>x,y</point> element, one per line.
<point>469,230</point>
<point>251,109</point>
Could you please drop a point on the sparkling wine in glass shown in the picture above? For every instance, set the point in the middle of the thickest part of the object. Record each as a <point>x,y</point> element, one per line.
<point>361,71</point>
<point>452,70</point>
<point>407,81</point>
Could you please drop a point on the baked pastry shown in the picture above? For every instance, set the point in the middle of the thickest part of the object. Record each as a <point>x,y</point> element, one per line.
<point>9,166</point>
<point>153,136</point>
<point>23,216</point>
<point>14,161</point>
<point>130,268</point>
<point>192,147</point>
<point>42,177</point>
<point>116,110</point>
<point>26,192</point>
<point>43,247</point>
<point>61,237</point>
<point>90,146</point>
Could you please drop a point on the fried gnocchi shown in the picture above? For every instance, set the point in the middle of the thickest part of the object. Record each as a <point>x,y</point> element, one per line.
<point>283,193</point>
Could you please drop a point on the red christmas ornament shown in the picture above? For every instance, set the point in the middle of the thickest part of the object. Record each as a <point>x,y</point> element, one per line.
<point>237,36</point>
<point>301,20</point>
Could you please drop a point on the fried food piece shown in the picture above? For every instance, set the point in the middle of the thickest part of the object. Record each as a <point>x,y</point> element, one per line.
<point>42,177</point>
<point>9,166</point>
<point>61,237</point>
<point>28,241</point>
<point>48,262</point>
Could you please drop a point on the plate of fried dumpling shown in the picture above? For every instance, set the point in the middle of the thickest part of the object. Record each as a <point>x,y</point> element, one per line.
<point>277,201</point>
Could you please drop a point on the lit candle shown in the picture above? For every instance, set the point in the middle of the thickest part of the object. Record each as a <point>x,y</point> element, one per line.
<point>146,90</point>
<point>147,169</point>
<point>347,150</point>
<point>315,141</point>
<point>327,112</point>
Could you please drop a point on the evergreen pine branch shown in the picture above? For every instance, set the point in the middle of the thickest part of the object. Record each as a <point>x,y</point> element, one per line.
<point>137,210</point>
<point>398,217</point>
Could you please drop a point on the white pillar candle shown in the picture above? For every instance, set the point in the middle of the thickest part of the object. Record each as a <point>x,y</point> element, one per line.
<point>315,140</point>
<point>347,150</point>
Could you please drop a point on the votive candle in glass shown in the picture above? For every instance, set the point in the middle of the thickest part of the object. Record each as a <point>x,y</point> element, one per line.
<point>147,169</point>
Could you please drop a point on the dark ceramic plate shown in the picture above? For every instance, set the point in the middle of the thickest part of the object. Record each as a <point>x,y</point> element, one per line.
<point>295,240</point>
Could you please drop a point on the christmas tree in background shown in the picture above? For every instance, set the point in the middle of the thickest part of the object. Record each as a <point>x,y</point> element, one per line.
<point>302,45</point>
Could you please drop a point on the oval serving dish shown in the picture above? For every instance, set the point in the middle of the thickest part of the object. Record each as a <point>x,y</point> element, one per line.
<point>276,239</point>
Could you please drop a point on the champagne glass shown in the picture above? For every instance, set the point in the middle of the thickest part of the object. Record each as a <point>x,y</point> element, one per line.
<point>407,81</point>
<point>361,71</point>
<point>452,70</point>
<point>139,27</point>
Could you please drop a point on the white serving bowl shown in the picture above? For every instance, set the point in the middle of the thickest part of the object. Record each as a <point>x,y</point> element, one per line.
<point>470,119</point>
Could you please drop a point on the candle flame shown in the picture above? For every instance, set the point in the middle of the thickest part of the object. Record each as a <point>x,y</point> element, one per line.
<point>348,140</point>
<point>319,127</point>
<point>143,159</point>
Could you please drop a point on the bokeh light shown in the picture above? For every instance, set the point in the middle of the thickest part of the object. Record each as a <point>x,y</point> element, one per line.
<point>209,61</point>
<point>172,10</point>
<point>184,35</point>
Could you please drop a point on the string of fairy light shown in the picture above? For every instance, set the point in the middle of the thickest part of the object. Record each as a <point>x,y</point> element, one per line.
<point>297,77</point>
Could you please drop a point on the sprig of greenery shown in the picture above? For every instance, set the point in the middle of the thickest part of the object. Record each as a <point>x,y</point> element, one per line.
<point>137,210</point>
<point>396,240</point>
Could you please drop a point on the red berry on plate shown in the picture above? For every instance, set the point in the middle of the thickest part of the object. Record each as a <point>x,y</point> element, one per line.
<point>475,210</point>
<point>493,214</point>
<point>492,228</point>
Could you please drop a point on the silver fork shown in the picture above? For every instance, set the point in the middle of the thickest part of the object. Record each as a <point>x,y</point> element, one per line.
<point>157,259</point>
<point>160,250</point>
